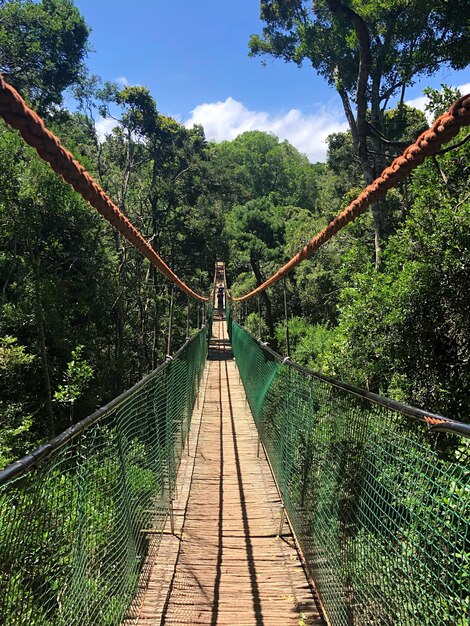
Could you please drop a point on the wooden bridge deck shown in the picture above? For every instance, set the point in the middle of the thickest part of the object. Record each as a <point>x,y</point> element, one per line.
<point>226,564</point>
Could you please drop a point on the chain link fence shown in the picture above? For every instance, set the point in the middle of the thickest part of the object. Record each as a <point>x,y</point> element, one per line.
<point>79,515</point>
<point>379,502</point>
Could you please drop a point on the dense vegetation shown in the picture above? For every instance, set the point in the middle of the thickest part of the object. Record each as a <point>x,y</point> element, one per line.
<point>83,316</point>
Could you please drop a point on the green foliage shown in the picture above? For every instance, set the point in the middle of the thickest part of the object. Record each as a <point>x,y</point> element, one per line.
<point>255,325</point>
<point>257,164</point>
<point>440,100</point>
<point>42,47</point>
<point>12,356</point>
<point>15,422</point>
<point>76,379</point>
<point>406,328</point>
<point>311,344</point>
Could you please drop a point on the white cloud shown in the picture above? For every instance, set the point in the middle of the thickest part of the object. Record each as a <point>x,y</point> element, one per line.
<point>226,120</point>
<point>104,125</point>
<point>421,101</point>
<point>122,80</point>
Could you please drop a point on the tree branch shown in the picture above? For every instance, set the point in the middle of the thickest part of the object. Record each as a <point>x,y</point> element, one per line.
<point>348,112</point>
<point>454,145</point>
<point>365,63</point>
<point>376,132</point>
<point>182,172</point>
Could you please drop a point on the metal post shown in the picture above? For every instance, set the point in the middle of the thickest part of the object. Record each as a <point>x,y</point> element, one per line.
<point>283,516</point>
<point>287,319</point>
<point>170,321</point>
<point>258,446</point>
<point>197,320</point>
<point>172,517</point>
<point>259,318</point>
<point>188,318</point>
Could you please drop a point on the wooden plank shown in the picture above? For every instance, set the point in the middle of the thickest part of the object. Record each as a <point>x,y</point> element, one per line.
<point>226,566</point>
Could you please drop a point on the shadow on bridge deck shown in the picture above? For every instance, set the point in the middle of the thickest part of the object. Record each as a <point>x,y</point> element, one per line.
<point>220,350</point>
<point>226,565</point>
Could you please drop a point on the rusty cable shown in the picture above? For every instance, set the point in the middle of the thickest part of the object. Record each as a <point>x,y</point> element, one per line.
<point>19,116</point>
<point>427,144</point>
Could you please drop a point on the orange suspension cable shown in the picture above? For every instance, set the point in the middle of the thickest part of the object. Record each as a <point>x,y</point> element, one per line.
<point>16,112</point>
<point>427,144</point>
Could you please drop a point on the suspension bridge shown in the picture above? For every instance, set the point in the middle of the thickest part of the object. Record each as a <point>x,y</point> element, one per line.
<point>232,486</point>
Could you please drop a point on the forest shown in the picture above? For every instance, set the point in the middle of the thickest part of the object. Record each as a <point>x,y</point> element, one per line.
<point>384,305</point>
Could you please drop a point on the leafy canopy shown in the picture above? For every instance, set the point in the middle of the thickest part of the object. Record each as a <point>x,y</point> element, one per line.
<point>42,48</point>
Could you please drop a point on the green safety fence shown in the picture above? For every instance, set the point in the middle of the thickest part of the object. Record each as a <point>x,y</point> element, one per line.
<point>79,515</point>
<point>380,504</point>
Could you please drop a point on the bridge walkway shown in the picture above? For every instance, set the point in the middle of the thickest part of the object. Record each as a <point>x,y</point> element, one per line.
<point>225,564</point>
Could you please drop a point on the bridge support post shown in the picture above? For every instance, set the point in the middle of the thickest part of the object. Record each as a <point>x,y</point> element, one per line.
<point>172,517</point>
<point>283,518</point>
<point>286,313</point>
<point>188,319</point>
<point>170,321</point>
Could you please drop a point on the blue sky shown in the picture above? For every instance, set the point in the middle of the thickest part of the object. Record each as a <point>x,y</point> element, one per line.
<point>193,56</point>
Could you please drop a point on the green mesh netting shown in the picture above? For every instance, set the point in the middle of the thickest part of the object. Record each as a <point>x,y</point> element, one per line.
<point>72,528</point>
<point>380,507</point>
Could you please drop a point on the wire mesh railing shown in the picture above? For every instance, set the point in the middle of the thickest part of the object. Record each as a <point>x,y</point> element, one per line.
<point>380,505</point>
<point>79,515</point>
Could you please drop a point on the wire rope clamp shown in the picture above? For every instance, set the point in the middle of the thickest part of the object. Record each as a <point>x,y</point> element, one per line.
<point>286,359</point>
<point>168,357</point>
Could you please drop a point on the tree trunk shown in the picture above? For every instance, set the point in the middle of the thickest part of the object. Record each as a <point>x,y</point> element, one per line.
<point>359,125</point>
<point>267,302</point>
<point>39,314</point>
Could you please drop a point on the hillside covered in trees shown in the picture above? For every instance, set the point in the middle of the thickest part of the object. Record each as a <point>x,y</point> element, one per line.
<point>384,305</point>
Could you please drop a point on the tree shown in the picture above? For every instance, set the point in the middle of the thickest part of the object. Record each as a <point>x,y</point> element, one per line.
<point>258,165</point>
<point>55,277</point>
<point>257,229</point>
<point>266,182</point>
<point>405,332</point>
<point>76,379</point>
<point>42,47</point>
<point>155,169</point>
<point>370,52</point>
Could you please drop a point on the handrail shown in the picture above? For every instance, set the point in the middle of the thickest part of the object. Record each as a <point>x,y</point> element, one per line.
<point>32,459</point>
<point>434,421</point>
<point>379,508</point>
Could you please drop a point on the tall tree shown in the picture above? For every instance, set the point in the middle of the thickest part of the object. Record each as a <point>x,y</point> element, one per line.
<point>42,48</point>
<point>266,182</point>
<point>370,52</point>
